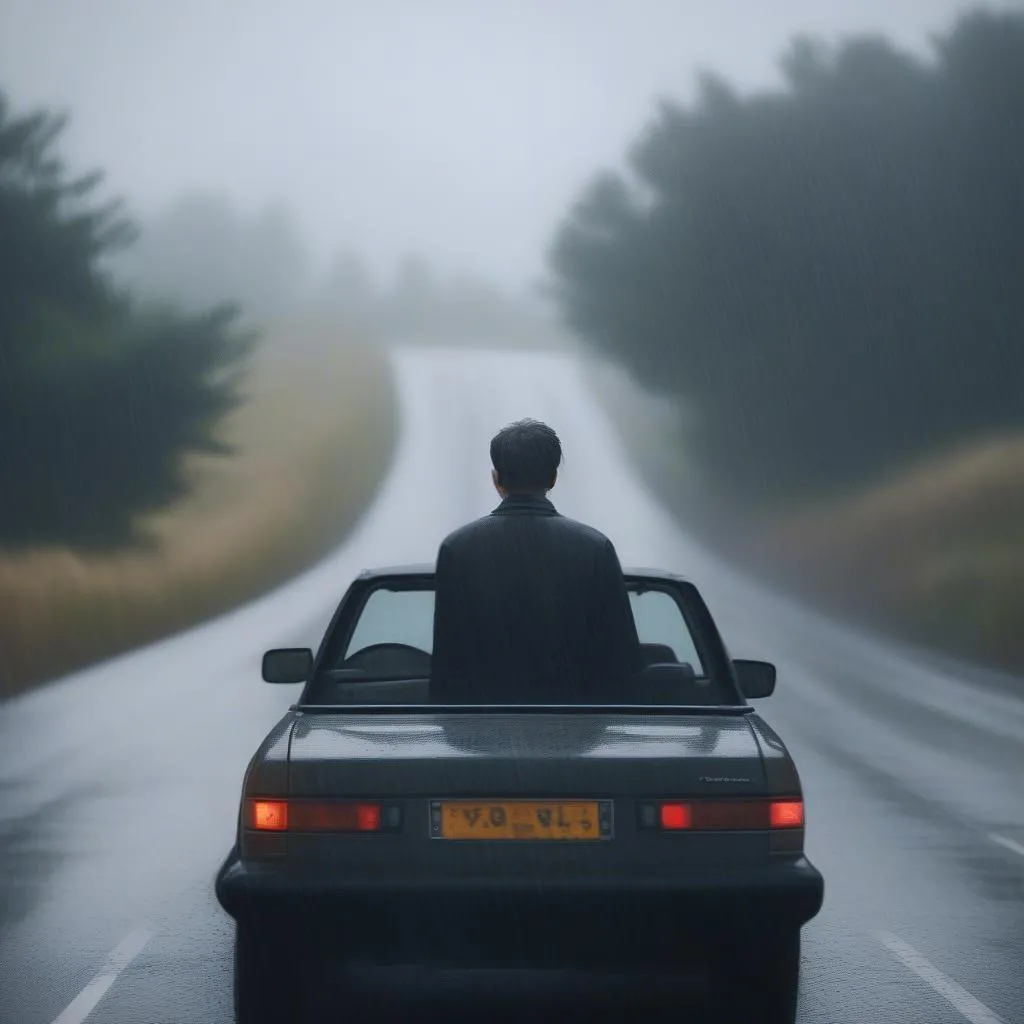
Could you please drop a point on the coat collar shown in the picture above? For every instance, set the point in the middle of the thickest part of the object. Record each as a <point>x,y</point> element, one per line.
<point>525,505</point>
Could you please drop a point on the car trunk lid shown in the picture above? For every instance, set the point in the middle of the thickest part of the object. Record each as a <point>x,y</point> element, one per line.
<point>522,754</point>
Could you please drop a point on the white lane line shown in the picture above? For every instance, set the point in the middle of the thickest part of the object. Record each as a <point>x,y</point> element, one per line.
<point>85,1002</point>
<point>972,1009</point>
<point>1010,844</point>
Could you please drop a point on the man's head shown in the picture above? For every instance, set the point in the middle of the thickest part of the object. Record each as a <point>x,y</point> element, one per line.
<point>526,456</point>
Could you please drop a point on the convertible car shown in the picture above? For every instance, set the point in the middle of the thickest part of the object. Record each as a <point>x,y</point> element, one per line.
<point>660,833</point>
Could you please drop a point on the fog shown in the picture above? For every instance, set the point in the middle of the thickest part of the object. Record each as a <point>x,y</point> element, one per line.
<point>454,129</point>
<point>438,172</point>
<point>768,294</point>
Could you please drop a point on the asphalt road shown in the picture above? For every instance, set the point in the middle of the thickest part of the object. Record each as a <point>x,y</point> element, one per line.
<point>119,785</point>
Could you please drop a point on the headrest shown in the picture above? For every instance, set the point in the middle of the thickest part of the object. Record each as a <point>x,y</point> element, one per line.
<point>658,654</point>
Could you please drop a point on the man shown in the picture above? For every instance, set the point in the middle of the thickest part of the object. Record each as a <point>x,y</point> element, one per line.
<point>531,607</point>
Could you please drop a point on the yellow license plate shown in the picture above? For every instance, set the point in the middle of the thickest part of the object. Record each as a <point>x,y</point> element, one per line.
<point>521,819</point>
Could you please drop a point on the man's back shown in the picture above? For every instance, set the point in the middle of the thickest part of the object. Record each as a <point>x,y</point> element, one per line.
<point>531,607</point>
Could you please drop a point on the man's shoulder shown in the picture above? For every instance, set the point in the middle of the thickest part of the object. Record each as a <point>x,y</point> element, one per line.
<point>571,530</point>
<point>466,531</point>
<point>583,531</point>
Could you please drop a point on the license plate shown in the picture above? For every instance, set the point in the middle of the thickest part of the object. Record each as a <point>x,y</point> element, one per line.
<point>521,819</point>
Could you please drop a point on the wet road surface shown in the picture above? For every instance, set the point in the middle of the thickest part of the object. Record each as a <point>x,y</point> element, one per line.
<point>119,786</point>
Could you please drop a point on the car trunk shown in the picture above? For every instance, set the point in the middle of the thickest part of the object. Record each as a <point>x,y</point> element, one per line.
<point>426,763</point>
<point>526,754</point>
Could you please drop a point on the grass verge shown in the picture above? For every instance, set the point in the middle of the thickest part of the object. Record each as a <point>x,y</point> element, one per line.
<point>314,441</point>
<point>934,556</point>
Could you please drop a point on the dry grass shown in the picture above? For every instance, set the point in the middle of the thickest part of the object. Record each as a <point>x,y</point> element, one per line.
<point>935,555</point>
<point>314,438</point>
<point>939,552</point>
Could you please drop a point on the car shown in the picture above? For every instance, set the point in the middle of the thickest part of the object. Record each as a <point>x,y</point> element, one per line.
<point>375,827</point>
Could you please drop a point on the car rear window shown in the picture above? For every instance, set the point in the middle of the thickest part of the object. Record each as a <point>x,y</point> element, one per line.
<point>406,617</point>
<point>389,641</point>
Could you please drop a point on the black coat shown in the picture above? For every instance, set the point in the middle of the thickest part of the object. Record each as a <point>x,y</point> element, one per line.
<point>531,607</point>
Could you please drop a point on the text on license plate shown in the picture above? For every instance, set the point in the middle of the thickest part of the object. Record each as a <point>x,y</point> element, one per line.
<point>521,819</point>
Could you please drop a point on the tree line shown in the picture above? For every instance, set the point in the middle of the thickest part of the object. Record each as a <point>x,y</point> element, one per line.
<point>122,345</point>
<point>829,276</point>
<point>100,394</point>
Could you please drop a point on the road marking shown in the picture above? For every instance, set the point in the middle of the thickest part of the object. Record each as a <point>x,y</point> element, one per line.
<point>1010,844</point>
<point>973,1009</point>
<point>85,1002</point>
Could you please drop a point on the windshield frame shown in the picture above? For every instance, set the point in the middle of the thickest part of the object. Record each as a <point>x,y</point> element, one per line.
<point>716,663</point>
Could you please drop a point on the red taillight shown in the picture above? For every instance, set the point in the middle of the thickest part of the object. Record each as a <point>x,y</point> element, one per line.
<point>726,815</point>
<point>735,815</point>
<point>268,815</point>
<point>368,817</point>
<point>334,817</point>
<point>787,814</point>
<point>318,816</point>
<point>676,816</point>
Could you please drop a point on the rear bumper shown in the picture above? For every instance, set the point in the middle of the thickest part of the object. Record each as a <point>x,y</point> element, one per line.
<point>411,919</point>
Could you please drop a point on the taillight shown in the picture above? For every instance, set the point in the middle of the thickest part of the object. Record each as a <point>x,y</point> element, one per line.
<point>675,816</point>
<point>334,817</point>
<point>787,814</point>
<point>722,815</point>
<point>323,816</point>
<point>268,815</point>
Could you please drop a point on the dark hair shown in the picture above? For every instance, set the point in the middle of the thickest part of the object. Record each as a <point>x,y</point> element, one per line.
<point>526,455</point>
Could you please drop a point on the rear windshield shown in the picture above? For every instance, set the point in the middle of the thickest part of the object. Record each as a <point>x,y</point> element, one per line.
<point>384,655</point>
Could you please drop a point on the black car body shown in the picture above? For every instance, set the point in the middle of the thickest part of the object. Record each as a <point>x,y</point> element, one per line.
<point>663,831</point>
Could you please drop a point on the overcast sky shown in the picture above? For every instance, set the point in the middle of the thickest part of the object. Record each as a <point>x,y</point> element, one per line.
<point>460,129</point>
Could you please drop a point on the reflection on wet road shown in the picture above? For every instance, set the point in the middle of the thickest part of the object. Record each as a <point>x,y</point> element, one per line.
<point>119,786</point>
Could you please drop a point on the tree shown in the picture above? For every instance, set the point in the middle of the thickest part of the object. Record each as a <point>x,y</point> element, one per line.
<point>829,274</point>
<point>99,398</point>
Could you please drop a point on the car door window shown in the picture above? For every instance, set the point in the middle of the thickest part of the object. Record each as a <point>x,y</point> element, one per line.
<point>659,620</point>
<point>394,617</point>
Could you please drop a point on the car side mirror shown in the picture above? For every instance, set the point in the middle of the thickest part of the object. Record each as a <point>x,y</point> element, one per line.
<point>756,678</point>
<point>287,665</point>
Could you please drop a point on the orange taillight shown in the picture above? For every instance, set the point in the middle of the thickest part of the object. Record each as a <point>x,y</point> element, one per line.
<point>269,815</point>
<point>787,814</point>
